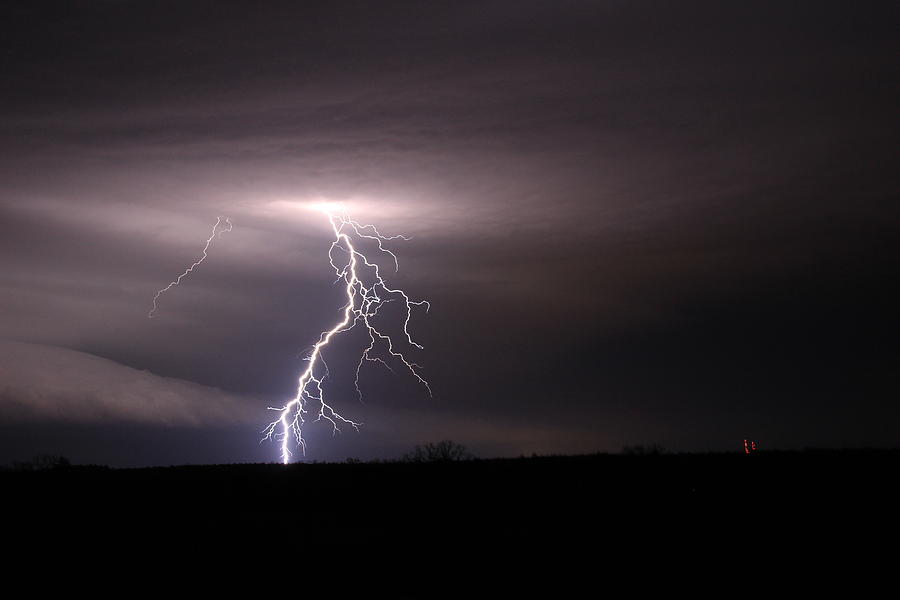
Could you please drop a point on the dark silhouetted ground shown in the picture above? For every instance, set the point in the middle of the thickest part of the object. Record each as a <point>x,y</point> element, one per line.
<point>523,511</point>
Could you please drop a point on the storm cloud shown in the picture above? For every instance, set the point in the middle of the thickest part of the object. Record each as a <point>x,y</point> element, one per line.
<point>41,383</point>
<point>637,222</point>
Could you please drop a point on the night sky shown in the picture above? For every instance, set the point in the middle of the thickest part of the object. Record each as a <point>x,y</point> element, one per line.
<point>638,222</point>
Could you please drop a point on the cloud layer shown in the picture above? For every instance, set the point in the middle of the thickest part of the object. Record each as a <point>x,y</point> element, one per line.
<point>45,383</point>
<point>636,222</point>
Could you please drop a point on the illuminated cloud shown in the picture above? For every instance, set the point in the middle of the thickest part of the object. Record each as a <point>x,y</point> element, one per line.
<point>46,383</point>
<point>626,233</point>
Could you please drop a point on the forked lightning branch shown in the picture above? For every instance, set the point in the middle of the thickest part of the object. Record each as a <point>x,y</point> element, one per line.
<point>366,292</point>
<point>216,231</point>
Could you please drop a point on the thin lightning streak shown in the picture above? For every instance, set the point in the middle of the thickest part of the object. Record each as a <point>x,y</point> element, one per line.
<point>363,302</point>
<point>187,271</point>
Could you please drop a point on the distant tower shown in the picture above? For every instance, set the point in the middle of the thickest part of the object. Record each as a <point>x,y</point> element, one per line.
<point>750,446</point>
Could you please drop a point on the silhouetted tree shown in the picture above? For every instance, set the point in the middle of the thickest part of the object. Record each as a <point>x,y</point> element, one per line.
<point>641,450</point>
<point>43,462</point>
<point>443,451</point>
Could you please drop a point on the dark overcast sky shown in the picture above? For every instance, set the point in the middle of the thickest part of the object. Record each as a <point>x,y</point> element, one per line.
<point>637,222</point>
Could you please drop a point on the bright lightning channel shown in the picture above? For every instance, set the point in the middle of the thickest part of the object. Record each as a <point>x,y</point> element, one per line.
<point>215,231</point>
<point>363,302</point>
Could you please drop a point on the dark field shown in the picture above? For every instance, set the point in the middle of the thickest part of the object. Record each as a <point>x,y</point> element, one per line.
<point>532,527</point>
<point>504,502</point>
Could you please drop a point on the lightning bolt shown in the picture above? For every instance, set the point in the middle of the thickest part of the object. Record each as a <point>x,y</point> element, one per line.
<point>176,281</point>
<point>366,292</point>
